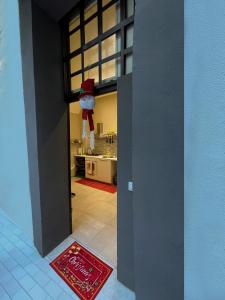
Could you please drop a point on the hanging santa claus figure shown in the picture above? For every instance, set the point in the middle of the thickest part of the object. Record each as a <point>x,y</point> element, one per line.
<point>87,103</point>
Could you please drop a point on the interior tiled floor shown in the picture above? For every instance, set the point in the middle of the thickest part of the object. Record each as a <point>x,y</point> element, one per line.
<point>24,274</point>
<point>94,220</point>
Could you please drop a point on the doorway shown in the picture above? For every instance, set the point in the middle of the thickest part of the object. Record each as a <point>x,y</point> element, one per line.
<point>51,199</point>
<point>94,179</point>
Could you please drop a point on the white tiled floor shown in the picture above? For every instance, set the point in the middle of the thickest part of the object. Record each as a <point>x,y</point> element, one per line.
<point>95,220</point>
<point>24,274</point>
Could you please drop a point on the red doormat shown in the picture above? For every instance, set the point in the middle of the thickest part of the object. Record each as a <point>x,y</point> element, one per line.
<point>82,271</point>
<point>106,187</point>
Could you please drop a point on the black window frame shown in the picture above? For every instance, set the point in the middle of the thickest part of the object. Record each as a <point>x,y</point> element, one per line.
<point>102,87</point>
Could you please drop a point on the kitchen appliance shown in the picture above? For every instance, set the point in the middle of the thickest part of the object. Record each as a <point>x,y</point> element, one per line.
<point>99,129</point>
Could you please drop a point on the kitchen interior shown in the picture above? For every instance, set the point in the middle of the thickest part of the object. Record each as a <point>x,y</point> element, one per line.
<point>94,178</point>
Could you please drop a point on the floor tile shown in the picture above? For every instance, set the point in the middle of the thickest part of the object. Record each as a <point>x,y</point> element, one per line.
<point>10,263</point>
<point>64,296</point>
<point>29,276</point>
<point>5,277</point>
<point>27,282</point>
<point>85,233</point>
<point>5,297</point>
<point>95,221</point>
<point>3,294</point>
<point>41,278</point>
<point>18,273</point>
<point>4,255</point>
<point>34,257</point>
<point>53,289</point>
<point>53,275</point>
<point>21,295</point>
<point>11,287</point>
<point>37,293</point>
<point>2,291</point>
<point>31,269</point>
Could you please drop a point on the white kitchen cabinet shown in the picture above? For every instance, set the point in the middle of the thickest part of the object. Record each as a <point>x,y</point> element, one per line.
<point>99,169</point>
<point>91,168</point>
<point>104,167</point>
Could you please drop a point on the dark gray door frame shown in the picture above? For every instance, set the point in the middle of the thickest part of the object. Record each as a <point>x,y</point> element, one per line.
<point>125,234</point>
<point>157,135</point>
<point>47,124</point>
<point>158,149</point>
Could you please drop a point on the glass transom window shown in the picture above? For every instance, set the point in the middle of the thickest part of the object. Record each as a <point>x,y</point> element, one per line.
<point>100,38</point>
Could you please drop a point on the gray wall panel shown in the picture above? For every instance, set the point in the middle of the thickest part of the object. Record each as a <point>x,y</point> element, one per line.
<point>158,149</point>
<point>26,38</point>
<point>47,126</point>
<point>52,129</point>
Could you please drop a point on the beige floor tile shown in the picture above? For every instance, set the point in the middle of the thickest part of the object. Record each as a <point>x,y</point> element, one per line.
<point>75,214</point>
<point>113,221</point>
<point>107,236</point>
<point>84,233</point>
<point>83,204</point>
<point>104,213</point>
<point>94,220</point>
<point>110,253</point>
<point>84,219</point>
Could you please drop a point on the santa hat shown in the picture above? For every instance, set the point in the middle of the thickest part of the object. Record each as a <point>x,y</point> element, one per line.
<point>87,87</point>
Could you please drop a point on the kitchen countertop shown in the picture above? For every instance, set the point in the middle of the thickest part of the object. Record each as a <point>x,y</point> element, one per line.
<point>96,156</point>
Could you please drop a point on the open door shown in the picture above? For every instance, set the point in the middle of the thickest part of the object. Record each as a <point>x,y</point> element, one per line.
<point>125,202</point>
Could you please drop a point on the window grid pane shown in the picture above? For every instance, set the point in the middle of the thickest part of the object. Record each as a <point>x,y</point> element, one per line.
<point>129,36</point>
<point>91,56</point>
<point>75,41</point>
<point>111,45</point>
<point>91,30</point>
<point>90,9</point>
<point>129,8</point>
<point>76,82</point>
<point>104,2</point>
<point>92,73</point>
<point>111,70</point>
<point>75,63</point>
<point>74,23</point>
<point>129,63</point>
<point>111,17</point>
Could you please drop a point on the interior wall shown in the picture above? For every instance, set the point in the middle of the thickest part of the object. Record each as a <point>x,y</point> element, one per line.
<point>106,112</point>
<point>15,197</point>
<point>75,126</point>
<point>158,149</point>
<point>204,150</point>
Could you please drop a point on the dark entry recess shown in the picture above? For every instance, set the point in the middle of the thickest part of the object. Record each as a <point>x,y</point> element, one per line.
<point>157,141</point>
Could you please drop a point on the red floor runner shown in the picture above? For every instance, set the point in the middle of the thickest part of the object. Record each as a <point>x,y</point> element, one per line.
<point>82,271</point>
<point>98,185</point>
